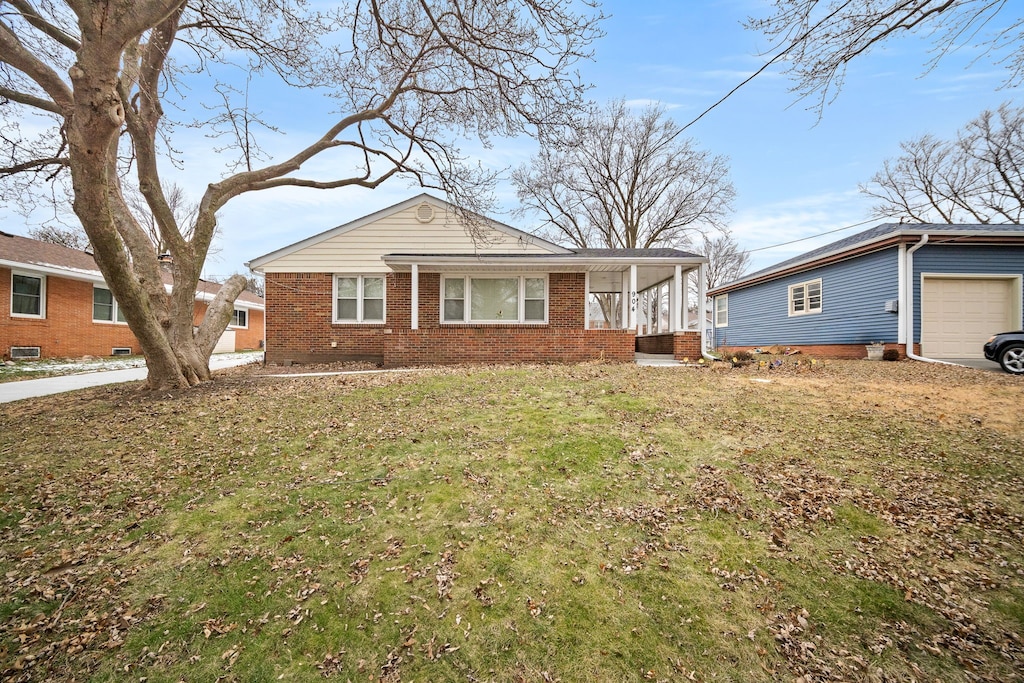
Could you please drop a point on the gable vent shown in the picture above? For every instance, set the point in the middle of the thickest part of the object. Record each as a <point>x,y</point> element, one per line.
<point>424,213</point>
<point>24,352</point>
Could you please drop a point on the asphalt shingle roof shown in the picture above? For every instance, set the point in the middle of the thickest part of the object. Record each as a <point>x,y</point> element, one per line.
<point>30,252</point>
<point>876,234</point>
<point>34,252</point>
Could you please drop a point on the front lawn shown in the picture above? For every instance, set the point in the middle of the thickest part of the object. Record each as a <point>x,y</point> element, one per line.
<point>842,521</point>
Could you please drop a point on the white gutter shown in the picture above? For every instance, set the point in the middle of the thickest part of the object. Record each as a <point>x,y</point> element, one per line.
<point>543,260</point>
<point>93,276</point>
<point>908,295</point>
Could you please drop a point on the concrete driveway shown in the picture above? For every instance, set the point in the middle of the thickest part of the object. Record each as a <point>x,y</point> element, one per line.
<point>31,388</point>
<point>977,363</point>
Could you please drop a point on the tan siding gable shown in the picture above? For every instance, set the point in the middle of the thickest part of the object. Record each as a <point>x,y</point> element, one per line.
<point>360,250</point>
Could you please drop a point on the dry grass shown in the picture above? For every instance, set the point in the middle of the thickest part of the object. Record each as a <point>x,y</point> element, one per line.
<point>842,521</point>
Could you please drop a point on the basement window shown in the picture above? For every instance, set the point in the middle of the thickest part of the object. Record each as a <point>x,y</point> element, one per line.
<point>25,352</point>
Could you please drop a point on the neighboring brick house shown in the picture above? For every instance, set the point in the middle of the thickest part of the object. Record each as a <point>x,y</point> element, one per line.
<point>58,306</point>
<point>938,291</point>
<point>410,285</point>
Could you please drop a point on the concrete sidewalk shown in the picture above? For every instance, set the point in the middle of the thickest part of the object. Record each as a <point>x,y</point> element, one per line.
<point>31,388</point>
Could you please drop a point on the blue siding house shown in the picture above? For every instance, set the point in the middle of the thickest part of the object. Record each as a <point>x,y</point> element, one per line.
<point>938,291</point>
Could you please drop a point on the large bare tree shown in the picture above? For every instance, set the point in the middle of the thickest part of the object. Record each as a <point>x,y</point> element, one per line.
<point>624,179</point>
<point>978,177</point>
<point>819,38</point>
<point>404,75</point>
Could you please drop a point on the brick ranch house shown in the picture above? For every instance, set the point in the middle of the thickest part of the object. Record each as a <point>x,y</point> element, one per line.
<point>412,284</point>
<point>58,306</point>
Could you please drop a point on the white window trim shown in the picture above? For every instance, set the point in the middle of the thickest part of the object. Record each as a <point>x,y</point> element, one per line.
<point>233,326</point>
<point>467,301</point>
<point>116,309</point>
<point>807,309</point>
<point>725,309</point>
<point>359,299</point>
<point>42,296</point>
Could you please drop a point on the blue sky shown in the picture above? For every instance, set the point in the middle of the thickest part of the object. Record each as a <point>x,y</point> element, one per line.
<point>796,176</point>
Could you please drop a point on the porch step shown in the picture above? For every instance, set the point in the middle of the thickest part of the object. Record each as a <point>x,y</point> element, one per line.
<point>656,359</point>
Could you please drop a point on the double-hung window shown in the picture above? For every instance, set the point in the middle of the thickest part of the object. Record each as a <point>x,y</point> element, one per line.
<point>478,299</point>
<point>104,306</point>
<point>805,298</point>
<point>28,295</point>
<point>359,298</point>
<point>240,318</point>
<point>722,310</point>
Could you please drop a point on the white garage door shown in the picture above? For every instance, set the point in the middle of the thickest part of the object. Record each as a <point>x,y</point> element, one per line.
<point>959,314</point>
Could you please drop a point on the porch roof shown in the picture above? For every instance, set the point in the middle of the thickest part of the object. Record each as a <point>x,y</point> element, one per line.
<point>653,265</point>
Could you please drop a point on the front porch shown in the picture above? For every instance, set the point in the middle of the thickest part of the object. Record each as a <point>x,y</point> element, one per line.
<point>644,294</point>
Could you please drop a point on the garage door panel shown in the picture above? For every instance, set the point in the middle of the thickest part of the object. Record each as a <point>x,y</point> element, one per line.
<point>959,314</point>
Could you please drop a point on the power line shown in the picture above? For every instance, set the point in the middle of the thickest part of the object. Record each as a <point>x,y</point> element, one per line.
<point>765,66</point>
<point>811,237</point>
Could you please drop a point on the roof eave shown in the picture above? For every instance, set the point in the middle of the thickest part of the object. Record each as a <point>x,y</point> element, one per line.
<point>48,269</point>
<point>543,260</point>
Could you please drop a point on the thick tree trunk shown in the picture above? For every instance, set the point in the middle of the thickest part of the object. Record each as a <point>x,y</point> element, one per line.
<point>176,356</point>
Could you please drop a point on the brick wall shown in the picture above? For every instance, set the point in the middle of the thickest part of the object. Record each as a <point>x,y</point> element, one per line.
<point>68,330</point>
<point>300,328</point>
<point>507,344</point>
<point>686,345</point>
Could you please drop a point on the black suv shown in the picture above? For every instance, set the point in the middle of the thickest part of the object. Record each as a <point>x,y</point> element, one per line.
<point>1007,349</point>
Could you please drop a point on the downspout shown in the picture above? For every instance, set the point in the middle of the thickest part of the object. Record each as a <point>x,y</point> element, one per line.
<point>908,295</point>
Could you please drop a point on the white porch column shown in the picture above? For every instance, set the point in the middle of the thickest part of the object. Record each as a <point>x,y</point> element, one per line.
<point>586,300</point>
<point>702,296</point>
<point>634,298</point>
<point>625,300</point>
<point>686,301</point>
<point>414,299</point>
<point>675,300</point>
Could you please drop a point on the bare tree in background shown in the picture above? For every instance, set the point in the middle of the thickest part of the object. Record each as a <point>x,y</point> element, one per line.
<point>184,210</point>
<point>624,180</point>
<point>726,260</point>
<point>403,75</point>
<point>72,238</point>
<point>976,178</point>
<point>820,37</point>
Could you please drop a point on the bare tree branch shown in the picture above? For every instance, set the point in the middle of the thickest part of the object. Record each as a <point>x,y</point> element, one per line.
<point>976,178</point>
<point>820,38</point>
